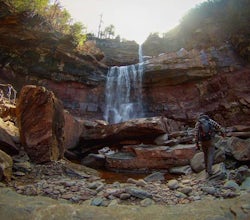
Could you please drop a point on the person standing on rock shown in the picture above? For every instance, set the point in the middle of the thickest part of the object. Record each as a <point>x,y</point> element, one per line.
<point>205,130</point>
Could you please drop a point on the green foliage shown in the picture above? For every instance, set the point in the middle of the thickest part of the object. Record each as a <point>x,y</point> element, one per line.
<point>57,16</point>
<point>76,30</point>
<point>109,31</point>
<point>29,5</point>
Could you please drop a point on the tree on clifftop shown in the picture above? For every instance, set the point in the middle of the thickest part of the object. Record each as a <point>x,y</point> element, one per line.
<point>37,6</point>
<point>55,14</point>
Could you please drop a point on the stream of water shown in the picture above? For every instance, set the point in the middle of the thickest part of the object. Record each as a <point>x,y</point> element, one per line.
<point>124,92</point>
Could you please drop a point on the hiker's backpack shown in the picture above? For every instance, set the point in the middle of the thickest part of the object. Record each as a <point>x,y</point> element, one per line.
<point>205,129</point>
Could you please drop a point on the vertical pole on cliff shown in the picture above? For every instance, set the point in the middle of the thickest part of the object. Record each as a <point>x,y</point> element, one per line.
<point>99,27</point>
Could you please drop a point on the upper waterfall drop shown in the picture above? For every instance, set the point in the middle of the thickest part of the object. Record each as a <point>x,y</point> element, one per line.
<point>124,92</point>
<point>140,54</point>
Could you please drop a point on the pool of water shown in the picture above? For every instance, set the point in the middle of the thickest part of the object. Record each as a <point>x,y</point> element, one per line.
<point>122,177</point>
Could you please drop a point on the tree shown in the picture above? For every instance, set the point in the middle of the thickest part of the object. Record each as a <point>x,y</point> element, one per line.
<point>37,6</point>
<point>109,31</point>
<point>77,31</point>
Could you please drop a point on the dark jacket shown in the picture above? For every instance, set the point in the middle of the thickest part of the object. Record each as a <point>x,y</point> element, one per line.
<point>215,126</point>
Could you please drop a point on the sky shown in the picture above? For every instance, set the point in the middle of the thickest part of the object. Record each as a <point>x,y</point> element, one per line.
<point>133,19</point>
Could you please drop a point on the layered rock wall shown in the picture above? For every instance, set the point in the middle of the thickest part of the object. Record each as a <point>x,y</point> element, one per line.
<point>177,85</point>
<point>180,85</point>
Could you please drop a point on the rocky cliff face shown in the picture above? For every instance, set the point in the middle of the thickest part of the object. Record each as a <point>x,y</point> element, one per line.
<point>175,84</point>
<point>181,84</point>
<point>33,53</point>
<point>118,53</point>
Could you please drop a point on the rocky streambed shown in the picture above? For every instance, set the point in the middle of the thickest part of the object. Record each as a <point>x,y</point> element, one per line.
<point>78,184</point>
<point>67,191</point>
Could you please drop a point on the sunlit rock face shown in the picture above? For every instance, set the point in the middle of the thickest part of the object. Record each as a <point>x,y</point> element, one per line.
<point>181,84</point>
<point>41,123</point>
<point>176,84</point>
<point>33,53</point>
<point>118,53</point>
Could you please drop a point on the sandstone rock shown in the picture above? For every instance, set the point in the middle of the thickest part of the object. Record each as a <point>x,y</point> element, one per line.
<point>22,166</point>
<point>94,161</point>
<point>138,193</point>
<point>183,170</point>
<point>147,157</point>
<point>161,139</point>
<point>209,189</point>
<point>174,81</point>
<point>41,123</point>
<point>136,129</point>
<point>6,165</point>
<point>97,201</point>
<point>147,202</point>
<point>72,131</point>
<point>207,76</point>
<point>7,111</point>
<point>219,172</point>
<point>198,164</point>
<point>246,184</point>
<point>230,184</point>
<point>6,142</point>
<point>122,53</point>
<point>125,196</point>
<point>186,190</point>
<point>156,176</point>
<point>240,149</point>
<point>173,184</point>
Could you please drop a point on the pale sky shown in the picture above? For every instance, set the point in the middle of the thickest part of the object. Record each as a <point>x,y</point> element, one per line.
<point>133,19</point>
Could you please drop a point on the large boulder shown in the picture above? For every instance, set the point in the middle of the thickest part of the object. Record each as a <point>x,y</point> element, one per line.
<point>150,157</point>
<point>41,122</point>
<point>134,131</point>
<point>6,164</point>
<point>7,143</point>
<point>198,164</point>
<point>240,148</point>
<point>72,131</point>
<point>236,147</point>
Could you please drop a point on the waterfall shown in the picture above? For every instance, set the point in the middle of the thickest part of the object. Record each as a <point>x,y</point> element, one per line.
<point>124,92</point>
<point>140,54</point>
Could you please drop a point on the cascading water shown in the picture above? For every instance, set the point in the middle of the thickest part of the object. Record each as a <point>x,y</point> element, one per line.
<point>124,92</point>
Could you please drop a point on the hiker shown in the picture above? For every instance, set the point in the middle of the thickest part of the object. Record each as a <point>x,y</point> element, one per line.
<point>205,129</point>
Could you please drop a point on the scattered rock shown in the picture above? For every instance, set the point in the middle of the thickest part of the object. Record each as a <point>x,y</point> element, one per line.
<point>138,193</point>
<point>181,170</point>
<point>124,196</point>
<point>157,176</point>
<point>240,148</point>
<point>97,201</point>
<point>209,189</point>
<point>6,164</point>
<point>6,142</point>
<point>173,184</point>
<point>23,166</point>
<point>230,184</point>
<point>197,162</point>
<point>186,190</point>
<point>246,184</point>
<point>147,202</point>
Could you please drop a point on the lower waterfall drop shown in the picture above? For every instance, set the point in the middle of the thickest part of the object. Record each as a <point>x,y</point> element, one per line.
<point>124,93</point>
